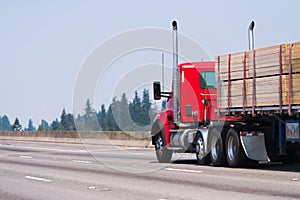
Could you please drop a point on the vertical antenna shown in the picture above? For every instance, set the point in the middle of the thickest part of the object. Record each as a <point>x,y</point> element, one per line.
<point>163,71</point>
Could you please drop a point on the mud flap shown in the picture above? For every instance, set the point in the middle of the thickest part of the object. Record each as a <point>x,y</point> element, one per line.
<point>254,145</point>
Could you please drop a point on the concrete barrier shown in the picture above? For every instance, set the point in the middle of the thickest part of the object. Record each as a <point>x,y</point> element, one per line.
<point>116,138</point>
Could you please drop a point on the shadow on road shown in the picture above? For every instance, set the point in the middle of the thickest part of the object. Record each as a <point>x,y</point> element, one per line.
<point>185,161</point>
<point>291,167</point>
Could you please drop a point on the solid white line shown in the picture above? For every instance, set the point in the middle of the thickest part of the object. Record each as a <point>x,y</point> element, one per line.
<point>37,178</point>
<point>82,161</point>
<point>183,170</point>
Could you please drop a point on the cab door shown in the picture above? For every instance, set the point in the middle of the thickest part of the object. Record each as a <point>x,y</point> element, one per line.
<point>190,105</point>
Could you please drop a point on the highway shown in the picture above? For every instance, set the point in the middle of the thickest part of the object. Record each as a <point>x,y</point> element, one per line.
<point>40,170</point>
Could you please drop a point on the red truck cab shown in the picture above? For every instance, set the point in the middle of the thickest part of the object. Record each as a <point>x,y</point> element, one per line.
<point>198,91</point>
<point>198,99</point>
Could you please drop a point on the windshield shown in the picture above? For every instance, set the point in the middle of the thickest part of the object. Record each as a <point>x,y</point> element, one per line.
<point>208,80</point>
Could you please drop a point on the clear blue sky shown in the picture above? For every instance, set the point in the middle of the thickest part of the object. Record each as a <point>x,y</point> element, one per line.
<point>43,43</point>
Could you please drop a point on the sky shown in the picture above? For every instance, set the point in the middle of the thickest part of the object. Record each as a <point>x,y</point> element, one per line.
<point>43,44</point>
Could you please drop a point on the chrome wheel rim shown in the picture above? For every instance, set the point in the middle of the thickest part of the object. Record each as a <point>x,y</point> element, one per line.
<point>200,149</point>
<point>159,145</point>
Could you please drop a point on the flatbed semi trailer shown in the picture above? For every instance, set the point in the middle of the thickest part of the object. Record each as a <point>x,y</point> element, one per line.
<point>239,110</point>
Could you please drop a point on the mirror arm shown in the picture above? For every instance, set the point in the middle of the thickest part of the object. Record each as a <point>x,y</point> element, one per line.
<point>168,93</point>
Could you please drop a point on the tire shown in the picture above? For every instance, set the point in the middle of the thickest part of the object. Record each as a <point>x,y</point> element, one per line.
<point>163,155</point>
<point>235,154</point>
<point>217,153</point>
<point>202,157</point>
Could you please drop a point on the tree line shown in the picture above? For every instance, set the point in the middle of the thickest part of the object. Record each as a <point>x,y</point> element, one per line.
<point>135,115</point>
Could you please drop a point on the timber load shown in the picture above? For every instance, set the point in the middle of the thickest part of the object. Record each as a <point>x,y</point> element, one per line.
<point>259,78</point>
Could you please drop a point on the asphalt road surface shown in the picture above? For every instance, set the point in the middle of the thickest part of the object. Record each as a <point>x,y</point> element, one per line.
<point>32,170</point>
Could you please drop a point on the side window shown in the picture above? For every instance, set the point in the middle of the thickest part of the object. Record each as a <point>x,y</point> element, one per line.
<point>208,80</point>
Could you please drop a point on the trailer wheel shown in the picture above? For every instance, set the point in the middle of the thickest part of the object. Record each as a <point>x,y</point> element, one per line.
<point>202,157</point>
<point>163,155</point>
<point>217,148</point>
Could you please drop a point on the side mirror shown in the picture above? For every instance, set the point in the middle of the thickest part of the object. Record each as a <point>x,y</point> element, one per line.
<point>156,90</point>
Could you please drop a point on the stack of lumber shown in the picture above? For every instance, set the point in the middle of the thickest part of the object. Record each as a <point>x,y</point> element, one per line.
<point>252,78</point>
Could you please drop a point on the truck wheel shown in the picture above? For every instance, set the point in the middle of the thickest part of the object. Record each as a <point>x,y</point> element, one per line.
<point>163,155</point>
<point>217,148</point>
<point>202,157</point>
<point>234,151</point>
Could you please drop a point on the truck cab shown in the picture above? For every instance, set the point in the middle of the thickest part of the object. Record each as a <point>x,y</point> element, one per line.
<point>198,91</point>
<point>197,100</point>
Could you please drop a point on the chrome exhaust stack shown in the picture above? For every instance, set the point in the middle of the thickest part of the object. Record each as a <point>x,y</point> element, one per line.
<point>176,76</point>
<point>251,36</point>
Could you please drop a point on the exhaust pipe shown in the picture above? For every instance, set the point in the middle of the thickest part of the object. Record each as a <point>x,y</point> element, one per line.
<point>176,75</point>
<point>250,36</point>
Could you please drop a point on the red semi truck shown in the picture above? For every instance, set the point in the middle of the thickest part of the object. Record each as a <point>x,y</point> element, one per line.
<point>222,110</point>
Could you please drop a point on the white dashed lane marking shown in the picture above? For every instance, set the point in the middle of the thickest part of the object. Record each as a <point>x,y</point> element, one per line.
<point>183,170</point>
<point>37,178</point>
<point>26,157</point>
<point>82,161</point>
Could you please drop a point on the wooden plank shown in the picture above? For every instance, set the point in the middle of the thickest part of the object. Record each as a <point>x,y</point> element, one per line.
<point>296,50</point>
<point>266,90</point>
<point>260,101</point>
<point>266,58</point>
<point>295,97</point>
<point>267,77</point>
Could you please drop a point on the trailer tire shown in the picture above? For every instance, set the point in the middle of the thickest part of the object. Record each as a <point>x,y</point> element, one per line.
<point>202,157</point>
<point>217,154</point>
<point>163,155</point>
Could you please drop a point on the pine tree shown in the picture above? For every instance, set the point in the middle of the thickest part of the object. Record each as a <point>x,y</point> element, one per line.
<point>111,124</point>
<point>62,122</point>
<point>30,126</point>
<point>55,125</point>
<point>70,123</point>
<point>5,124</point>
<point>135,109</point>
<point>16,126</point>
<point>79,122</point>
<point>102,118</point>
<point>66,122</point>
<point>122,113</point>
<point>89,111</point>
<point>44,126</point>
<point>146,106</point>
<point>90,117</point>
